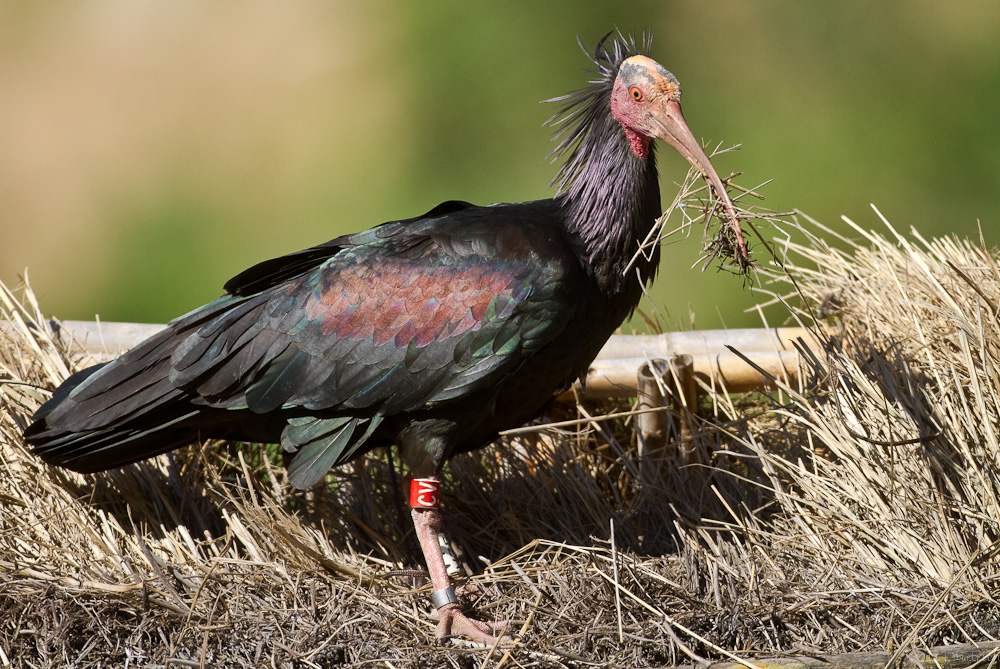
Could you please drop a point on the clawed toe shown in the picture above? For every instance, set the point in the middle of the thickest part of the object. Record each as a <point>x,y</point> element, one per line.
<point>452,622</point>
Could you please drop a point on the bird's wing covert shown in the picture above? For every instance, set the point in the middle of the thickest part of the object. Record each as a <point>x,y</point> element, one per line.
<point>402,317</point>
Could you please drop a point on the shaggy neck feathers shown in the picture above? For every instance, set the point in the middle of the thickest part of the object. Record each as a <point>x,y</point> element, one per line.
<point>608,191</point>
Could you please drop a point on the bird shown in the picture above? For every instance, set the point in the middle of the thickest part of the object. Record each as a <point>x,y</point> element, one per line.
<point>431,334</point>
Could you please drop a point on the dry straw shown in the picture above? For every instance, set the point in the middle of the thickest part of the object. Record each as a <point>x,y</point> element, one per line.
<point>858,512</point>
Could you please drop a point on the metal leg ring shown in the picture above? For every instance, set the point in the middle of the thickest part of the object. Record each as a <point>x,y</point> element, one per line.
<point>443,597</point>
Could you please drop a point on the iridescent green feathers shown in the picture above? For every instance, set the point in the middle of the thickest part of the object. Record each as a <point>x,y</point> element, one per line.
<point>402,318</point>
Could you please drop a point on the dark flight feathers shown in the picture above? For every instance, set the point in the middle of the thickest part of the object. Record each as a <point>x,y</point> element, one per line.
<point>317,348</point>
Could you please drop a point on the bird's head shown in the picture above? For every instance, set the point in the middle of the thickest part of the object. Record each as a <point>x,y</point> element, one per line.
<point>646,101</point>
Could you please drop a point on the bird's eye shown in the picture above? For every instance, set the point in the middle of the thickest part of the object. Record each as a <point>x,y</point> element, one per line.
<point>635,92</point>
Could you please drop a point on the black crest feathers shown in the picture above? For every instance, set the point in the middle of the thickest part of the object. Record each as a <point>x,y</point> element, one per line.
<point>582,117</point>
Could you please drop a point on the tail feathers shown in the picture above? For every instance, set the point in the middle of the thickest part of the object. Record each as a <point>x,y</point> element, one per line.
<point>107,448</point>
<point>60,394</point>
<point>92,431</point>
<point>123,411</point>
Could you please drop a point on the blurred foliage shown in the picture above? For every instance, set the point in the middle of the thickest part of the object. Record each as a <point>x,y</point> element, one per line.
<point>149,151</point>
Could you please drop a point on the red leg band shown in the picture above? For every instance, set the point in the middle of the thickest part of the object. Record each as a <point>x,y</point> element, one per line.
<point>424,493</point>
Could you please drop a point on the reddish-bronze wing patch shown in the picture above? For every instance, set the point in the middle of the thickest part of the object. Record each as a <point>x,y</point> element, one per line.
<point>437,303</point>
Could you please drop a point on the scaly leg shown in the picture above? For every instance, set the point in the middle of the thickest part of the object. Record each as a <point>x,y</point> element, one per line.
<point>451,620</point>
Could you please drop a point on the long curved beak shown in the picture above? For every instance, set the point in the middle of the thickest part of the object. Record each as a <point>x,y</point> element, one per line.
<point>674,130</point>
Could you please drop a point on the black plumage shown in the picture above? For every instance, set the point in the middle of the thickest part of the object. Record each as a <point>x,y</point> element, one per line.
<point>432,333</point>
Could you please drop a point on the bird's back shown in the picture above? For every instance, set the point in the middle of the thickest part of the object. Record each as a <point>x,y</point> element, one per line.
<point>434,333</point>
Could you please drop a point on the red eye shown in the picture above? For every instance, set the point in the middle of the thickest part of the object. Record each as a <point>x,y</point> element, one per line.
<point>635,92</point>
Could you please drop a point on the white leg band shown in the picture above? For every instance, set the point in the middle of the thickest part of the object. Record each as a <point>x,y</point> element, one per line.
<point>450,563</point>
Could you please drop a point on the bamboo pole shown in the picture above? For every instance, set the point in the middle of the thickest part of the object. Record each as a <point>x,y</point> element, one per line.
<point>617,378</point>
<point>696,342</point>
<point>613,374</point>
<point>651,426</point>
<point>103,339</point>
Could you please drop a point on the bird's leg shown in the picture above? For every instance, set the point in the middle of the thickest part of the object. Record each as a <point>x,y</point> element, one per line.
<point>451,620</point>
<point>428,522</point>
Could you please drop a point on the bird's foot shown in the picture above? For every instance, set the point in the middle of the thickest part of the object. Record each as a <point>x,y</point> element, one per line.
<point>452,622</point>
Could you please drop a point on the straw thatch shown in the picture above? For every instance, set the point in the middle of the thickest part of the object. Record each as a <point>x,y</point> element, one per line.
<point>856,513</point>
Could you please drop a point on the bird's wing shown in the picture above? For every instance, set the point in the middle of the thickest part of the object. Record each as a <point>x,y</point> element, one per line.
<point>400,318</point>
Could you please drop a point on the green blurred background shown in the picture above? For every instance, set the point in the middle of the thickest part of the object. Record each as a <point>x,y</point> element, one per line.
<point>151,150</point>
